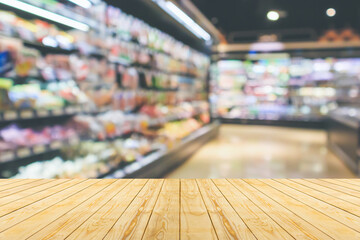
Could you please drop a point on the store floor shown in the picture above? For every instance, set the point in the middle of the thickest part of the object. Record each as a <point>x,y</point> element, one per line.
<point>264,152</point>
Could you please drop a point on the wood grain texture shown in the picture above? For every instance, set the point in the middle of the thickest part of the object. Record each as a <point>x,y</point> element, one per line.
<point>331,200</point>
<point>53,212</point>
<point>227,223</point>
<point>164,222</point>
<point>99,224</point>
<point>195,222</point>
<point>16,203</point>
<point>133,221</point>
<point>335,187</point>
<point>67,223</point>
<point>257,220</point>
<point>180,209</point>
<point>351,181</point>
<point>343,184</point>
<point>344,217</point>
<point>16,184</point>
<point>23,187</point>
<point>329,191</point>
<point>298,227</point>
<point>332,227</point>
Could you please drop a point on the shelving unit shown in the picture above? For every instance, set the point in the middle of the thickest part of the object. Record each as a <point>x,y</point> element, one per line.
<point>288,91</point>
<point>118,52</point>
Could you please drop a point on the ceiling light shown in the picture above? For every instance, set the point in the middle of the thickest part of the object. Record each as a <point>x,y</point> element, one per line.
<point>331,12</point>
<point>46,14</point>
<point>175,12</point>
<point>82,3</point>
<point>273,15</point>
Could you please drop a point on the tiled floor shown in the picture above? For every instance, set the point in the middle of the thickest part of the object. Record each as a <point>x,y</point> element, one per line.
<point>264,152</point>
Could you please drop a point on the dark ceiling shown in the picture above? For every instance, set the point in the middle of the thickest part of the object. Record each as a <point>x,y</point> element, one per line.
<point>250,15</point>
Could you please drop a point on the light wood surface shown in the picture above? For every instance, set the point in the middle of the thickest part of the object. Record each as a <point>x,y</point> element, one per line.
<point>180,209</point>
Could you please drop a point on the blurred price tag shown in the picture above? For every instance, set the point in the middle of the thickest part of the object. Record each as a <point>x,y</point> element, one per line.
<point>39,149</point>
<point>23,152</point>
<point>56,145</point>
<point>10,115</point>
<point>27,114</point>
<point>6,156</point>
<point>58,112</point>
<point>42,113</point>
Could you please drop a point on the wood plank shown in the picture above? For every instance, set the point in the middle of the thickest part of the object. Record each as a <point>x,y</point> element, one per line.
<point>298,227</point>
<point>195,222</point>
<point>164,222</point>
<point>16,190</point>
<point>16,184</point>
<point>227,223</point>
<point>337,214</point>
<point>132,223</point>
<point>353,181</point>
<point>99,224</point>
<point>261,225</point>
<point>336,202</point>
<point>343,184</point>
<point>180,209</point>
<point>333,228</point>
<point>25,193</point>
<point>329,191</point>
<point>7,181</point>
<point>14,202</point>
<point>336,187</point>
<point>67,223</point>
<point>50,214</point>
<point>12,218</point>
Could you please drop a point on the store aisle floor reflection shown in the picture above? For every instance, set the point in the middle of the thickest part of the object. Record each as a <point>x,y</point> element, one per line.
<point>264,152</point>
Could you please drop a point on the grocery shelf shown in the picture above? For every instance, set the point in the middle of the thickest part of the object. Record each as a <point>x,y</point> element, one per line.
<point>343,140</point>
<point>11,160</point>
<point>159,163</point>
<point>48,49</point>
<point>82,56</point>
<point>31,114</point>
<point>161,120</point>
<point>32,151</point>
<point>62,12</point>
<point>30,154</point>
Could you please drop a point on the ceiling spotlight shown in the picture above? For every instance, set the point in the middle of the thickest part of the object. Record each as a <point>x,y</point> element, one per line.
<point>331,12</point>
<point>273,15</point>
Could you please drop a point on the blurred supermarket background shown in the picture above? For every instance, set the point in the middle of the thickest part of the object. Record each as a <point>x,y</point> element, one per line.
<point>180,89</point>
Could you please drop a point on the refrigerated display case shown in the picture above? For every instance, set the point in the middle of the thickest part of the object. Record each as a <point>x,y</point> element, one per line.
<point>277,91</point>
<point>99,95</point>
<point>344,122</point>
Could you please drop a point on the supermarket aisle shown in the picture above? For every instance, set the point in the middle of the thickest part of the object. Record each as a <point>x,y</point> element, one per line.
<point>264,152</point>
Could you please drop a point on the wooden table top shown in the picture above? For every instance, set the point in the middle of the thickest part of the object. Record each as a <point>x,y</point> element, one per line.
<point>180,209</point>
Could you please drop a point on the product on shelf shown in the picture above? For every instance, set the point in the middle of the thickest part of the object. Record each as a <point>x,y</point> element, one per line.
<point>27,137</point>
<point>180,129</point>
<point>91,159</point>
<point>92,91</point>
<point>289,88</point>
